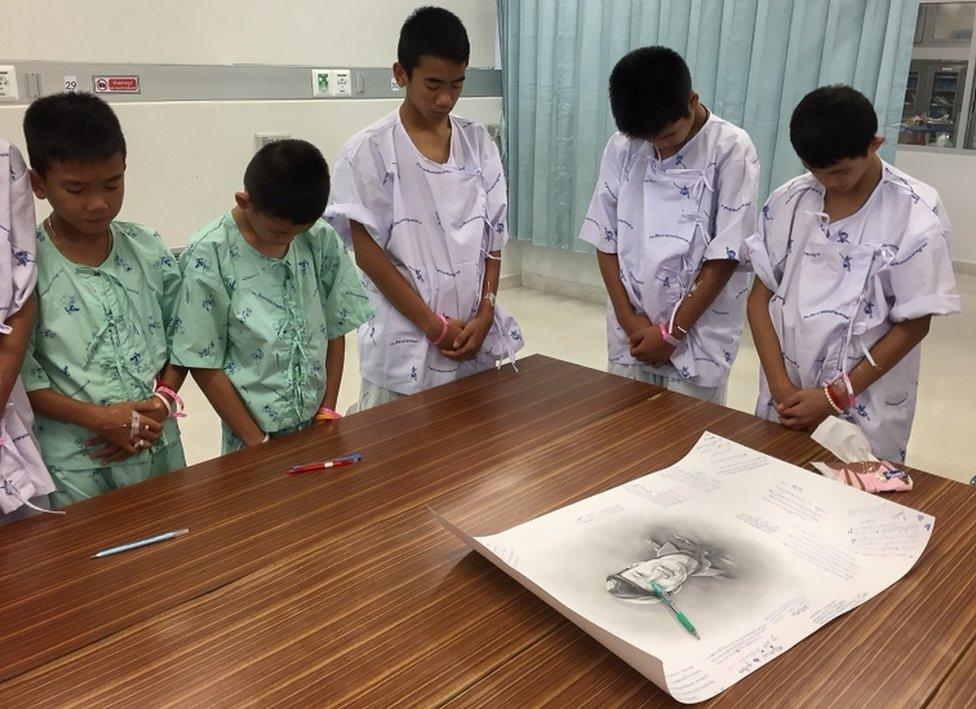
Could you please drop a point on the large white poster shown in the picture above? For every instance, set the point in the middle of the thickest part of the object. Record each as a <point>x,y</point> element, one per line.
<point>700,573</point>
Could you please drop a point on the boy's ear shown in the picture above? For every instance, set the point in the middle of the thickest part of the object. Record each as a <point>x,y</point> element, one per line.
<point>37,184</point>
<point>693,100</point>
<point>400,74</point>
<point>876,142</point>
<point>243,199</point>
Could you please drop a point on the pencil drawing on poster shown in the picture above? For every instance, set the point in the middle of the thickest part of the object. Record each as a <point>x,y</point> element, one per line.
<point>672,563</point>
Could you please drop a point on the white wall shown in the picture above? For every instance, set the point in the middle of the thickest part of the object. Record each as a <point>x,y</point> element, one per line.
<point>186,159</point>
<point>325,32</point>
<point>954,176</point>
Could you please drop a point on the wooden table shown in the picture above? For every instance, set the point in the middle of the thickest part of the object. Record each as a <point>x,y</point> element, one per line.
<point>340,588</point>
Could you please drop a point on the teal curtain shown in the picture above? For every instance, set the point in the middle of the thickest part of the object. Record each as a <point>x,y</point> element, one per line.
<point>751,61</point>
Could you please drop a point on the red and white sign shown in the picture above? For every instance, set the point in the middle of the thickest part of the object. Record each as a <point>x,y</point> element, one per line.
<point>116,84</point>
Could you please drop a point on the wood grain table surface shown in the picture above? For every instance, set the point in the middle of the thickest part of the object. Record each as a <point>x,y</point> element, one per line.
<point>340,588</point>
<point>958,689</point>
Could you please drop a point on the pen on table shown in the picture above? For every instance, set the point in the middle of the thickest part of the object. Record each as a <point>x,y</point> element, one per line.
<point>666,600</point>
<point>140,543</point>
<point>326,464</point>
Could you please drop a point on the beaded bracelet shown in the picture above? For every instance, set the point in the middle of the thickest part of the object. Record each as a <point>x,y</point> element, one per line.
<point>830,399</point>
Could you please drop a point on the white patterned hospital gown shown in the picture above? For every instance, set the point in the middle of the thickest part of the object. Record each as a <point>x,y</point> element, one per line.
<point>664,219</point>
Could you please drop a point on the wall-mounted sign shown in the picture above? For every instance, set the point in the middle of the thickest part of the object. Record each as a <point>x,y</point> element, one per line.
<point>128,84</point>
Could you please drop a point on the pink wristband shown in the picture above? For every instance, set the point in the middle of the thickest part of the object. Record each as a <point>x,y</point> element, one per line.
<point>850,390</point>
<point>444,327</point>
<point>172,395</point>
<point>326,414</point>
<point>667,336</point>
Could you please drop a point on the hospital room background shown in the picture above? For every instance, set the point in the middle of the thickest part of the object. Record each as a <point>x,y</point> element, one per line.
<point>199,85</point>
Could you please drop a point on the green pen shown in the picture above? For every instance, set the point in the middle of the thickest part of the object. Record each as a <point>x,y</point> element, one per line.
<point>682,618</point>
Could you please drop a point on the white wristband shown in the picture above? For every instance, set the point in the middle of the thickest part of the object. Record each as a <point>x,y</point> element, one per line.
<point>667,336</point>
<point>671,339</point>
<point>170,405</point>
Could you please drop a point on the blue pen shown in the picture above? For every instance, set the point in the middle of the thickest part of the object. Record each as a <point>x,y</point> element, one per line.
<point>140,543</point>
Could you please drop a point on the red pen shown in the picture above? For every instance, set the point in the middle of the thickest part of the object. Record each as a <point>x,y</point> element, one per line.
<point>325,465</point>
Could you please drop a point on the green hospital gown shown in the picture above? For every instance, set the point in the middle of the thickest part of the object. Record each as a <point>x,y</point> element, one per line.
<point>266,321</point>
<point>101,337</point>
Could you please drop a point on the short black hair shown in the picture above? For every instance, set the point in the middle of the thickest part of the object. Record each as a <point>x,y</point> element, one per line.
<point>649,89</point>
<point>435,32</point>
<point>832,123</point>
<point>71,127</point>
<point>288,179</point>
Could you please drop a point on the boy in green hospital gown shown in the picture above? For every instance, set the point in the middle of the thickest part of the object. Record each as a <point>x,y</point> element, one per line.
<point>268,294</point>
<point>98,354</point>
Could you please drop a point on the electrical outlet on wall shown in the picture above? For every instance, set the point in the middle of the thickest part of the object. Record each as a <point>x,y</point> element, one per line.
<point>262,139</point>
<point>8,83</point>
<point>341,82</point>
<point>327,83</point>
<point>321,83</point>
